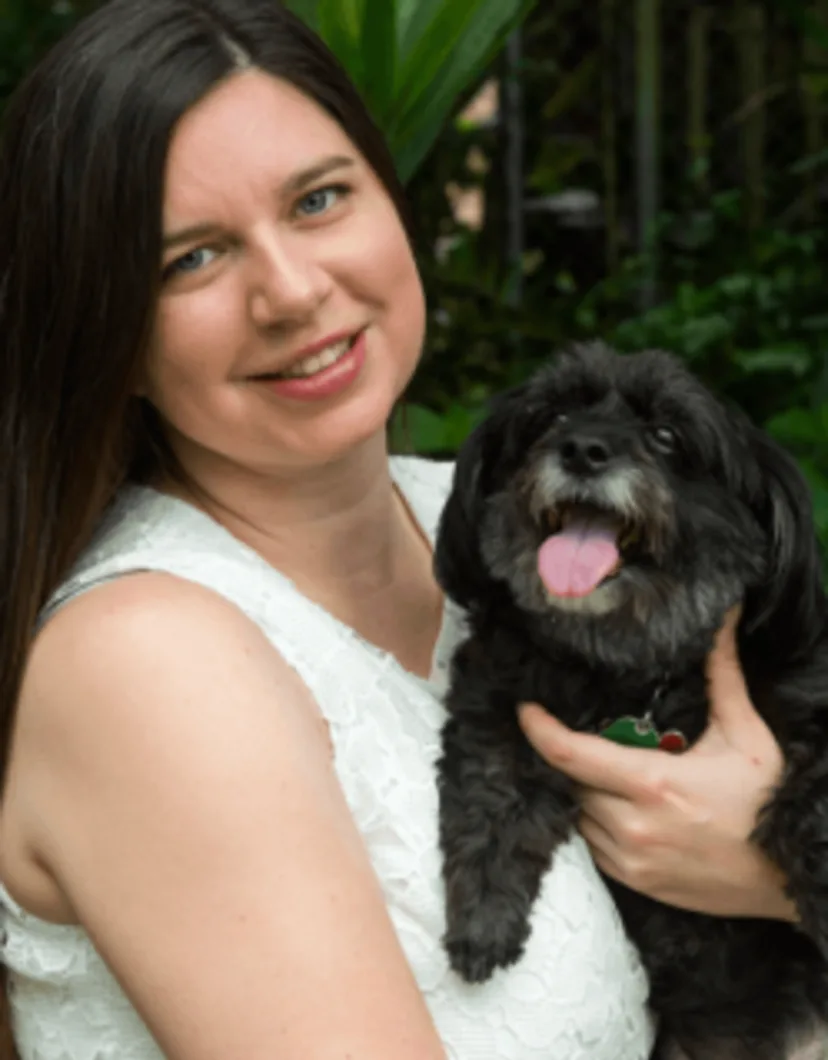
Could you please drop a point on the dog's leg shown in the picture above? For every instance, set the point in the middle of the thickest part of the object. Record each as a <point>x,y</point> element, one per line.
<point>812,1045</point>
<point>793,827</point>
<point>813,1050</point>
<point>667,1048</point>
<point>794,832</point>
<point>500,820</point>
<point>671,1050</point>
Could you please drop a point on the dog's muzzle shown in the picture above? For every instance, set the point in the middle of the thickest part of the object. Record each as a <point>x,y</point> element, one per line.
<point>595,515</point>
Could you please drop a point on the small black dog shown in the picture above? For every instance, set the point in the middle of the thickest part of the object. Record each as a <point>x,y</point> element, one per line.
<point>602,522</point>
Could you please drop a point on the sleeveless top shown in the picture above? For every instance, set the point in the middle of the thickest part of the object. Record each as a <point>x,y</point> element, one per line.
<point>579,991</point>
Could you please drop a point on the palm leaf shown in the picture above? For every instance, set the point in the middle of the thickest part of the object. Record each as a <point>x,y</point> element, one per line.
<point>432,90</point>
<point>379,45</point>
<point>413,59</point>
<point>339,23</point>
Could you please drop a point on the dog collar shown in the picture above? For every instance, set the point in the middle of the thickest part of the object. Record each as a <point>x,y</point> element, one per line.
<point>642,732</point>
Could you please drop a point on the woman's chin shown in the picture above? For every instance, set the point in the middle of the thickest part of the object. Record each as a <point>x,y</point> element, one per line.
<point>348,433</point>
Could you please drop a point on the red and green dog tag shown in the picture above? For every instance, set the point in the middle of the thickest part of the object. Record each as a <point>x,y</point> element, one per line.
<point>641,732</point>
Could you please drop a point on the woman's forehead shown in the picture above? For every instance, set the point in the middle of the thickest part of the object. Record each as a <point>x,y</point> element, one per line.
<point>251,128</point>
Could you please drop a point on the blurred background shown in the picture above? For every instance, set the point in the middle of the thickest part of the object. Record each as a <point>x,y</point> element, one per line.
<point>653,172</point>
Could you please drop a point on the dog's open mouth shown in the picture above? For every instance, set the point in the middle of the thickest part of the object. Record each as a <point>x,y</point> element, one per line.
<point>587,547</point>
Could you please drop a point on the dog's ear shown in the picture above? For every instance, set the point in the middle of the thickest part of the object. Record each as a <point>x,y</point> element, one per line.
<point>788,610</point>
<point>458,564</point>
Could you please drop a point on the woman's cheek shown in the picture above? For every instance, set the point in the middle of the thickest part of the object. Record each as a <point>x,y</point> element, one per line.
<point>398,277</point>
<point>199,325</point>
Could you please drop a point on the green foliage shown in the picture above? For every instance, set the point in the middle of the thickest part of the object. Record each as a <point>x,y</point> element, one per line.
<point>752,323</point>
<point>413,59</point>
<point>744,306</point>
<point>804,431</point>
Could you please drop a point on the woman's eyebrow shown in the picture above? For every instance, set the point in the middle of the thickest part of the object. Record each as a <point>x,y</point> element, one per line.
<point>293,186</point>
<point>193,234</point>
<point>317,171</point>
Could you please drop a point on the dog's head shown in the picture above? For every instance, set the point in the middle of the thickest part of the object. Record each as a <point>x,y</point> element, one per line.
<point>615,500</point>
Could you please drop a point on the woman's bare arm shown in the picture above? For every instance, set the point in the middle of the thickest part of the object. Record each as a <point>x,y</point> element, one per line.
<point>186,802</point>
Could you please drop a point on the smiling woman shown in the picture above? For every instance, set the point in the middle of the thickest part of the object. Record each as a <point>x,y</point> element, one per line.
<point>223,650</point>
<point>296,283</point>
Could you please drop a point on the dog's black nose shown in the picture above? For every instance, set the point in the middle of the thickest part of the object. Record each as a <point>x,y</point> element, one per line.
<point>585,454</point>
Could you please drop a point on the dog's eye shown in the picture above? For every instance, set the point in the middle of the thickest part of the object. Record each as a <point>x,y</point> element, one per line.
<point>665,438</point>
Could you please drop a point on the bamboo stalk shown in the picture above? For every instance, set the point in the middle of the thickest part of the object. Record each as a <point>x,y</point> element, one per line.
<point>698,68</point>
<point>515,176</point>
<point>751,28</point>
<point>648,108</point>
<point>814,110</point>
<point>609,138</point>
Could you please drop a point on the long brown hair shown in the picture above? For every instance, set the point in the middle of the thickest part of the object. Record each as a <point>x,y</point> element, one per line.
<point>82,159</point>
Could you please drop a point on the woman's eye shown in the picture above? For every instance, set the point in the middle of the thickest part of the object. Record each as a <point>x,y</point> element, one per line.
<point>192,261</point>
<point>320,201</point>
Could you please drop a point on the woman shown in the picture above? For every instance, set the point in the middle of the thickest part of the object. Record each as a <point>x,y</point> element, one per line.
<point>218,829</point>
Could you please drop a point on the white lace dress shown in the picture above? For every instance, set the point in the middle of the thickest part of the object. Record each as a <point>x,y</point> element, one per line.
<point>578,993</point>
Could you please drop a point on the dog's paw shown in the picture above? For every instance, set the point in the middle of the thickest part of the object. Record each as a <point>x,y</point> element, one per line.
<point>476,963</point>
<point>490,938</point>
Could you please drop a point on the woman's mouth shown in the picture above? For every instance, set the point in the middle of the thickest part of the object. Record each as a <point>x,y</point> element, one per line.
<point>323,374</point>
<point>318,362</point>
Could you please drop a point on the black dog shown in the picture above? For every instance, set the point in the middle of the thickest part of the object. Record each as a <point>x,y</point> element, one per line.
<point>602,522</point>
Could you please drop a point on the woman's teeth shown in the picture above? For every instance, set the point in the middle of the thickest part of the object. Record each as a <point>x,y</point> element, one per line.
<point>318,362</point>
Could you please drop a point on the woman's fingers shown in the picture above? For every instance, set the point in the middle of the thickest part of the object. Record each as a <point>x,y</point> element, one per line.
<point>733,715</point>
<point>606,854</point>
<point>592,761</point>
<point>730,703</point>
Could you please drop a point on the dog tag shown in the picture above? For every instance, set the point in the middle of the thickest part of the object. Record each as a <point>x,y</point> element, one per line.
<point>640,732</point>
<point>673,741</point>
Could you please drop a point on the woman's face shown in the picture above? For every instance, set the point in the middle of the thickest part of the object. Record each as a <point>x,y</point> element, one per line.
<point>291,315</point>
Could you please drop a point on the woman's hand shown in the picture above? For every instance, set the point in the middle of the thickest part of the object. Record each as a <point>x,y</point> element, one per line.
<point>678,827</point>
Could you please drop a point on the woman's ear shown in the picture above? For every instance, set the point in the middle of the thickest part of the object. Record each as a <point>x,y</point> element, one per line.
<point>789,608</point>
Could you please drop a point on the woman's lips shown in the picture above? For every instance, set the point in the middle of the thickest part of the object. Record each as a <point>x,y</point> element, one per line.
<point>325,383</point>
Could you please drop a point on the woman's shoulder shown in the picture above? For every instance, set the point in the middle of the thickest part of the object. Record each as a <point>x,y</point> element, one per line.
<point>145,531</point>
<point>132,623</point>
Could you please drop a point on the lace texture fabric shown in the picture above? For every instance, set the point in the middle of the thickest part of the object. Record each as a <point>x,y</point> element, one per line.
<point>578,993</point>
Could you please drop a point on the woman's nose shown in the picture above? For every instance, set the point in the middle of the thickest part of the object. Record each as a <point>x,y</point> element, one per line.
<point>286,281</point>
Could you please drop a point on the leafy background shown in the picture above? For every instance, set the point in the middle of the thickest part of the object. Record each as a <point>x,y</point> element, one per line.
<point>653,174</point>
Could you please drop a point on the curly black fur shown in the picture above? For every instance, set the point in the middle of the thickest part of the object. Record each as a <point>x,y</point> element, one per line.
<point>722,515</point>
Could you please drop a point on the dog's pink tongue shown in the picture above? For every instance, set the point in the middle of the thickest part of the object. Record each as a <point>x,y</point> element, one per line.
<point>576,560</point>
